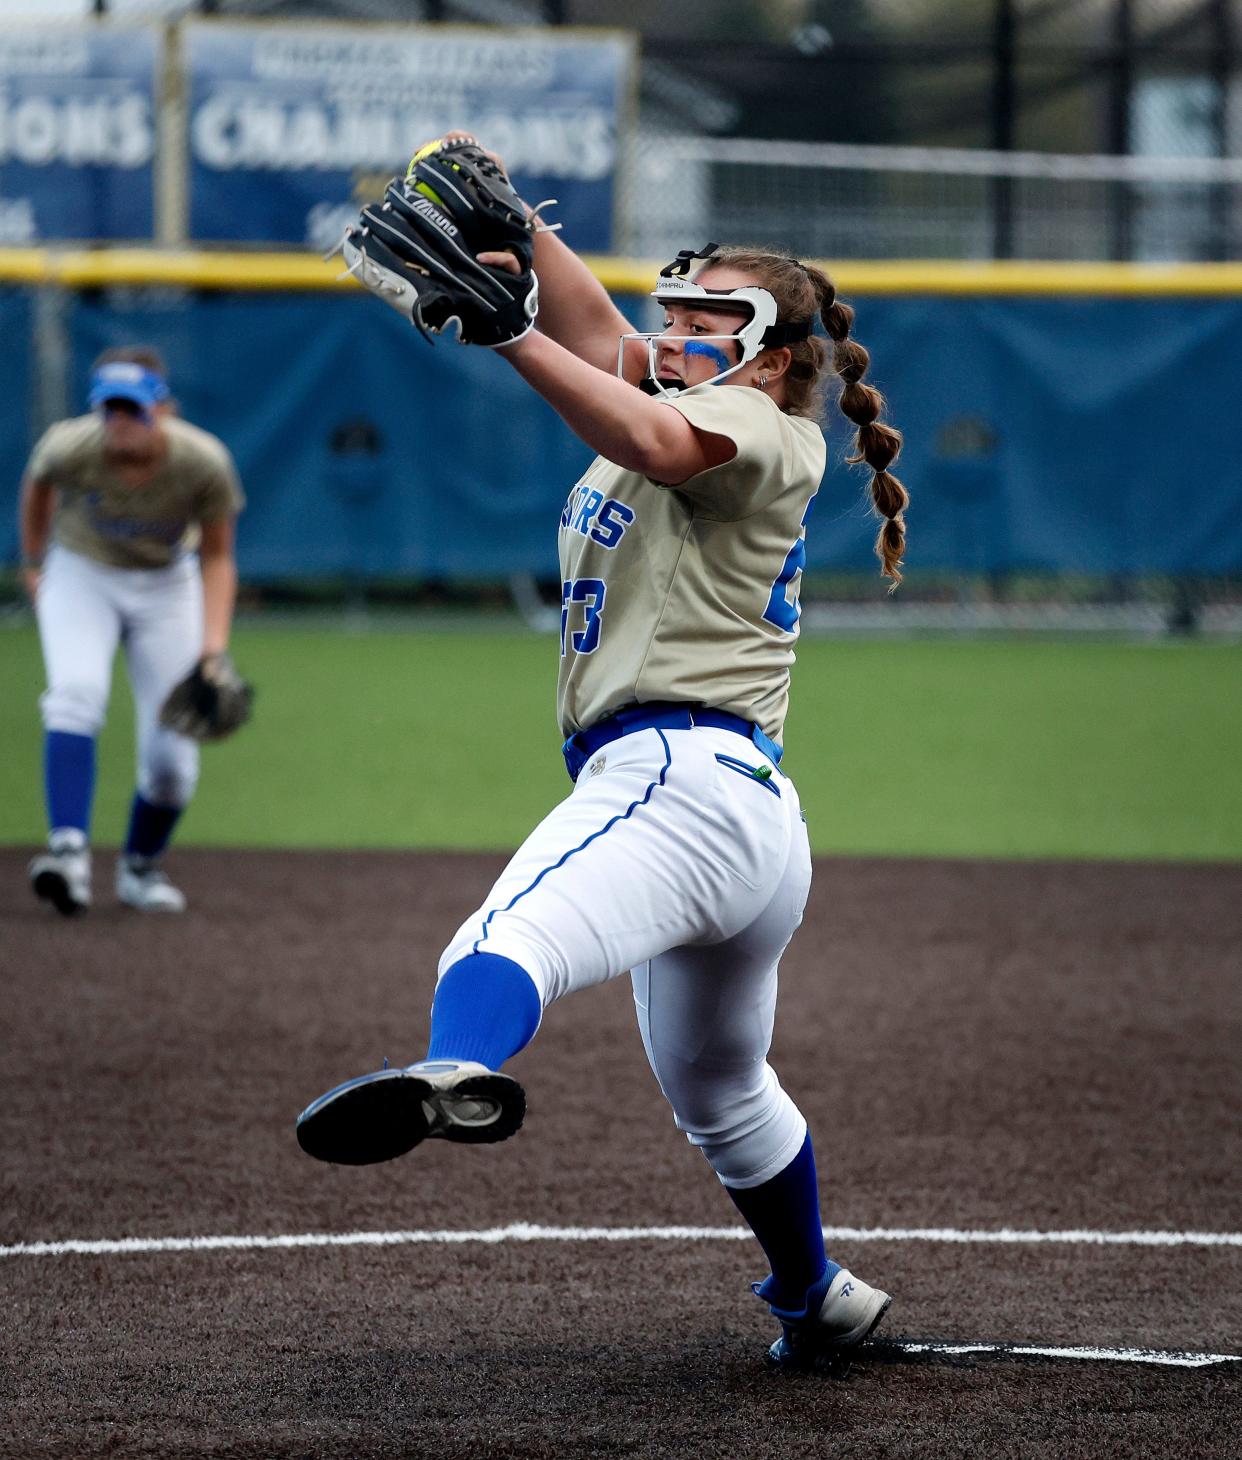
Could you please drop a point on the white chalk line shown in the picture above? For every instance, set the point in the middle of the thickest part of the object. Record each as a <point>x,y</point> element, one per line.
<point>1168,1358</point>
<point>532,1232</point>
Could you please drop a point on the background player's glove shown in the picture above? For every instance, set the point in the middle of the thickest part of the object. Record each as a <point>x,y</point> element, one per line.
<point>211,702</point>
<point>416,250</point>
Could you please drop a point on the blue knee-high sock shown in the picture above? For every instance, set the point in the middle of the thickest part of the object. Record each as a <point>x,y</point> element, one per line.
<point>69,779</point>
<point>486,1008</point>
<point>783,1213</point>
<point>150,827</point>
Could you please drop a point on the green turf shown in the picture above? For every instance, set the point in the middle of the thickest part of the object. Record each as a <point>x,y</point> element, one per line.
<point>920,747</point>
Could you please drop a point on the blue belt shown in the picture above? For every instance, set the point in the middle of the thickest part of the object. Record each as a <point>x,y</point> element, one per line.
<point>579,748</point>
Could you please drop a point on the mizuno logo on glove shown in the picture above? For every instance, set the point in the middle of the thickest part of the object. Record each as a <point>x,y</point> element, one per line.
<point>431,212</point>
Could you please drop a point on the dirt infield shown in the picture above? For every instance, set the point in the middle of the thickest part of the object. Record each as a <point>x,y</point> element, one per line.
<point>1041,1047</point>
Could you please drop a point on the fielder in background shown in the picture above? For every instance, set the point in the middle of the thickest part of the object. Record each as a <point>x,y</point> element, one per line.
<point>681,856</point>
<point>140,508</point>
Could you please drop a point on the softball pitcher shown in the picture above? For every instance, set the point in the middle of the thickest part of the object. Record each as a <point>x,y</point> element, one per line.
<point>140,509</point>
<point>681,855</point>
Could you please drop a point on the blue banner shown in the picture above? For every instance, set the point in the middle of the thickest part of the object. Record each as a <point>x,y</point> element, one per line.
<point>77,133</point>
<point>292,127</point>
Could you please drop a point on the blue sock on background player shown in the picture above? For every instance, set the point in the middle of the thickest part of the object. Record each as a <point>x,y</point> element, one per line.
<point>69,780</point>
<point>784,1215</point>
<point>485,1009</point>
<point>150,828</point>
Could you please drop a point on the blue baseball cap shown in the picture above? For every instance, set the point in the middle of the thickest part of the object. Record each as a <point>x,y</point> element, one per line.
<point>125,380</point>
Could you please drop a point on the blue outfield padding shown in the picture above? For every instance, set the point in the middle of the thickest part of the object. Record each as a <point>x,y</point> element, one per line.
<point>17,377</point>
<point>362,449</point>
<point>1064,435</point>
<point>1043,434</point>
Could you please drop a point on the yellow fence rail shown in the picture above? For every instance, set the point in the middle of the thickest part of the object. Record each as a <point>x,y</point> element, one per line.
<point>203,269</point>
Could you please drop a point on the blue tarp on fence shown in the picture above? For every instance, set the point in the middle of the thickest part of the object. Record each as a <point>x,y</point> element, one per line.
<point>1058,435</point>
<point>1098,436</point>
<point>16,387</point>
<point>451,468</point>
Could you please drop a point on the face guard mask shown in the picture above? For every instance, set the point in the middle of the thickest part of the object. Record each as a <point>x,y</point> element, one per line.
<point>759,332</point>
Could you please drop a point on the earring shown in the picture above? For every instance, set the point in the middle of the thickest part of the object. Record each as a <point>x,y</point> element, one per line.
<point>763,382</point>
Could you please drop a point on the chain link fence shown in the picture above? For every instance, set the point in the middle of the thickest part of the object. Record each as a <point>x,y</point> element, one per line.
<point>832,201</point>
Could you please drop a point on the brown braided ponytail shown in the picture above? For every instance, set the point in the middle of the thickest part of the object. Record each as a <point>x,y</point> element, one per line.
<point>876,445</point>
<point>803,292</point>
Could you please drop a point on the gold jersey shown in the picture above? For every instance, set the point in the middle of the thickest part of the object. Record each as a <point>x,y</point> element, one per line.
<point>689,593</point>
<point>101,516</point>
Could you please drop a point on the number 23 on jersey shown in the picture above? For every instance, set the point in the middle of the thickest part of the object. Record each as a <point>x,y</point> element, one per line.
<point>590,593</point>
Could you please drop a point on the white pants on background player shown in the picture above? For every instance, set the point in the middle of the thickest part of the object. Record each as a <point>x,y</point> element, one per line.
<point>85,609</point>
<point>686,869</point>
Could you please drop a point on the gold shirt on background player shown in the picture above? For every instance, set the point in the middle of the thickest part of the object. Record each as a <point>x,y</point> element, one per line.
<point>128,519</point>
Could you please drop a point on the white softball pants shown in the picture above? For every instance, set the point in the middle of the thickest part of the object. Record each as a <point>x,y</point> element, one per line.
<point>669,860</point>
<point>85,609</point>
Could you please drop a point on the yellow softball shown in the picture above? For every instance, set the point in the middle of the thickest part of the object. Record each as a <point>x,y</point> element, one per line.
<point>425,150</point>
